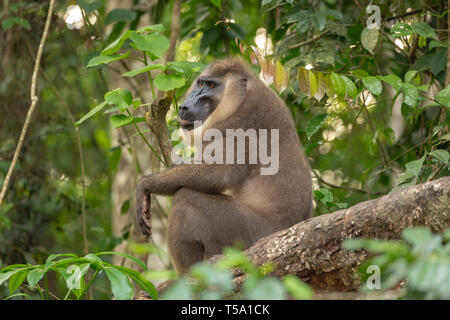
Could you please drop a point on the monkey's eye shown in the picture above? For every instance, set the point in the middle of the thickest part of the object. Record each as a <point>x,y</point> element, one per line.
<point>200,84</point>
<point>211,85</point>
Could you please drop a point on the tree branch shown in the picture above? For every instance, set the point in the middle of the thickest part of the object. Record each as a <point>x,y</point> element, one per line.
<point>312,249</point>
<point>34,100</point>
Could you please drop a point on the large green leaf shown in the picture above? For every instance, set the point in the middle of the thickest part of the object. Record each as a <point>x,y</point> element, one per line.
<point>369,39</point>
<point>314,125</point>
<point>443,97</point>
<point>117,15</point>
<point>121,98</point>
<point>114,46</point>
<point>89,5</point>
<point>391,79</point>
<point>16,280</point>
<point>155,43</point>
<point>35,275</point>
<point>124,255</point>
<point>423,29</point>
<point>339,85</point>
<point>401,29</point>
<point>166,82</point>
<point>98,60</point>
<point>415,166</point>
<point>143,69</point>
<point>411,94</point>
<point>120,284</point>
<point>373,84</point>
<point>350,87</point>
<point>121,120</point>
<point>442,155</point>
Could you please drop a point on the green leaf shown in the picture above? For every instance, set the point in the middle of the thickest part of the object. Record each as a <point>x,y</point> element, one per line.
<point>267,288</point>
<point>6,275</point>
<point>318,20</point>
<point>121,120</point>
<point>391,79</point>
<point>401,29</point>
<point>297,288</point>
<point>442,155</point>
<point>23,23</point>
<point>120,284</point>
<point>166,82</point>
<point>140,280</point>
<point>154,43</point>
<point>124,255</point>
<point>89,5</point>
<point>114,46</point>
<point>35,275</point>
<point>121,98</point>
<point>313,84</point>
<point>314,125</point>
<point>217,3</point>
<point>436,44</point>
<point>350,87</point>
<point>369,39</point>
<point>152,28</point>
<point>411,94</point>
<point>415,166</point>
<point>98,60</point>
<point>180,290</point>
<point>134,72</point>
<point>360,73</point>
<point>8,23</point>
<point>423,29</point>
<point>117,15</point>
<point>16,280</point>
<point>372,84</point>
<point>324,195</point>
<point>339,85</point>
<point>91,113</point>
<point>443,97</point>
<point>410,75</point>
<point>212,276</point>
<point>303,80</point>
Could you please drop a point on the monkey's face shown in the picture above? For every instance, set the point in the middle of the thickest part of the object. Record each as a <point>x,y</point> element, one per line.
<point>205,95</point>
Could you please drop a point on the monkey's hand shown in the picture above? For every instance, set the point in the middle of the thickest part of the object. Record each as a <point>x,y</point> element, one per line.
<point>143,202</point>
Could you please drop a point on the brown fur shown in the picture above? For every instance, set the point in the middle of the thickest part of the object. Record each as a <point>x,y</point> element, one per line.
<point>218,204</point>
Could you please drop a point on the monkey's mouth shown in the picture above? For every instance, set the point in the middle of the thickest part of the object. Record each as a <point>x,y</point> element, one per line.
<point>187,124</point>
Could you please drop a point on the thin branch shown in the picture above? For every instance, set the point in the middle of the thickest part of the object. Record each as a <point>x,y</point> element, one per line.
<point>34,100</point>
<point>320,179</point>
<point>315,38</point>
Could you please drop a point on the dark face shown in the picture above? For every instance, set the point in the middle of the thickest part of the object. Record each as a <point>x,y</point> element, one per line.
<point>201,102</point>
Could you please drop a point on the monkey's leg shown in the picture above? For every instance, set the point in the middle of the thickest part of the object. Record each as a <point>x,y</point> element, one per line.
<point>201,225</point>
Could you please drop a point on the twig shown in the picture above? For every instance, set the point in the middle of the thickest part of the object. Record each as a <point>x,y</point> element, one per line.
<point>320,179</point>
<point>34,100</point>
<point>304,43</point>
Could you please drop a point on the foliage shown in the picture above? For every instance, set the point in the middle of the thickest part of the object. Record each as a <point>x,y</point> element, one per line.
<point>422,259</point>
<point>215,281</point>
<point>74,272</point>
<point>371,107</point>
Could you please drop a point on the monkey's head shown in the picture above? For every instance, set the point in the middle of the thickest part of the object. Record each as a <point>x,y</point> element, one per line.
<point>205,99</point>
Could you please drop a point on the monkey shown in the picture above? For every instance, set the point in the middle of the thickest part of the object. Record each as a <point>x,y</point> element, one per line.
<point>218,204</point>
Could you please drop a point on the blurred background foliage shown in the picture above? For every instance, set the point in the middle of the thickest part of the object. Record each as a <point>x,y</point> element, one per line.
<point>365,134</point>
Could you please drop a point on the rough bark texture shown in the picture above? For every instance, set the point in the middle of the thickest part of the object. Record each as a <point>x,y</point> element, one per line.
<point>313,250</point>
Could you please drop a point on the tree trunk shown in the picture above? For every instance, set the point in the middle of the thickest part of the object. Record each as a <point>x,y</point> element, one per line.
<point>312,249</point>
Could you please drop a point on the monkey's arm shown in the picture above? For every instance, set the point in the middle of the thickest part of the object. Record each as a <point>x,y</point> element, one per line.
<point>200,177</point>
<point>208,178</point>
